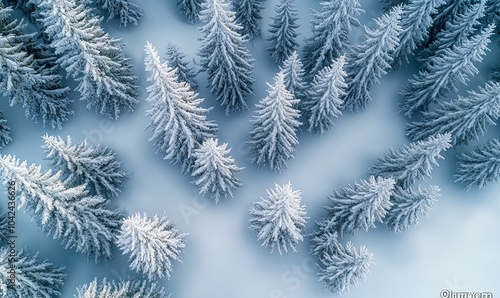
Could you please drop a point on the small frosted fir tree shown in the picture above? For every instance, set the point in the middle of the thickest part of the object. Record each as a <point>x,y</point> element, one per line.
<point>177,60</point>
<point>66,213</point>
<point>279,219</point>
<point>27,79</point>
<point>438,76</point>
<point>227,62</point>
<point>81,163</point>
<point>247,15</point>
<point>371,59</point>
<point>345,268</point>
<point>214,170</point>
<point>123,289</point>
<point>324,241</point>
<point>293,69</point>
<point>480,166</point>
<point>416,19</point>
<point>412,162</point>
<point>125,11</point>
<point>105,78</point>
<point>408,205</point>
<point>179,124</point>
<point>465,118</point>
<point>191,9</point>
<point>5,137</point>
<point>325,97</point>
<point>32,277</point>
<point>359,206</point>
<point>283,31</point>
<point>274,136</point>
<point>330,30</point>
<point>152,244</point>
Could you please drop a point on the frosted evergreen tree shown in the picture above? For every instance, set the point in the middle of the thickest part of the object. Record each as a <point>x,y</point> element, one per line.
<point>224,58</point>
<point>66,213</point>
<point>247,15</point>
<point>105,78</point>
<point>416,19</point>
<point>480,166</point>
<point>214,170</point>
<point>274,134</point>
<point>5,137</point>
<point>412,162</point>
<point>465,118</point>
<point>345,268</point>
<point>388,4</point>
<point>330,30</point>
<point>293,69</point>
<point>359,206</point>
<point>447,13</point>
<point>408,205</point>
<point>152,244</point>
<point>438,76</point>
<point>123,289</point>
<point>324,241</point>
<point>179,124</point>
<point>81,163</point>
<point>325,96</point>
<point>283,31</point>
<point>27,81</point>
<point>33,278</point>
<point>126,11</point>
<point>371,59</point>
<point>279,219</point>
<point>458,29</point>
<point>177,60</point>
<point>191,9</point>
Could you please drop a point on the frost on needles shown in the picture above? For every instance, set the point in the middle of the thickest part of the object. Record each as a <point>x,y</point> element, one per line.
<point>178,121</point>
<point>80,221</point>
<point>152,243</point>
<point>480,166</point>
<point>122,289</point>
<point>5,137</point>
<point>81,163</point>
<point>224,57</point>
<point>33,278</point>
<point>279,219</point>
<point>293,71</point>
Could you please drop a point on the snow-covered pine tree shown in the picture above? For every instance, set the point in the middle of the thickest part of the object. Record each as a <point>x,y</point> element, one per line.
<point>27,81</point>
<point>82,163</point>
<point>324,241</point>
<point>416,19</point>
<point>179,124</point>
<point>447,13</point>
<point>214,170</point>
<point>345,268</point>
<point>126,11</point>
<point>191,9</point>
<point>480,166</point>
<point>5,137</point>
<point>247,15</point>
<point>89,56</point>
<point>408,205</point>
<point>293,69</point>
<point>358,206</point>
<point>123,289</point>
<point>283,30</point>
<point>369,60</point>
<point>325,97</point>
<point>330,30</point>
<point>412,162</point>
<point>66,213</point>
<point>279,219</point>
<point>177,60</point>
<point>438,76</point>
<point>465,118</point>
<point>458,29</point>
<point>33,278</point>
<point>152,244</point>
<point>274,135</point>
<point>223,56</point>
<point>388,4</point>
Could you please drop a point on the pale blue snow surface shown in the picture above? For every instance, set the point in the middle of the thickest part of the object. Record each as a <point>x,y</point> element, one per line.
<point>455,248</point>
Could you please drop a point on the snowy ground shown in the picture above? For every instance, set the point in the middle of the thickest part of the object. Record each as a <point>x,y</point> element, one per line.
<point>456,248</point>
